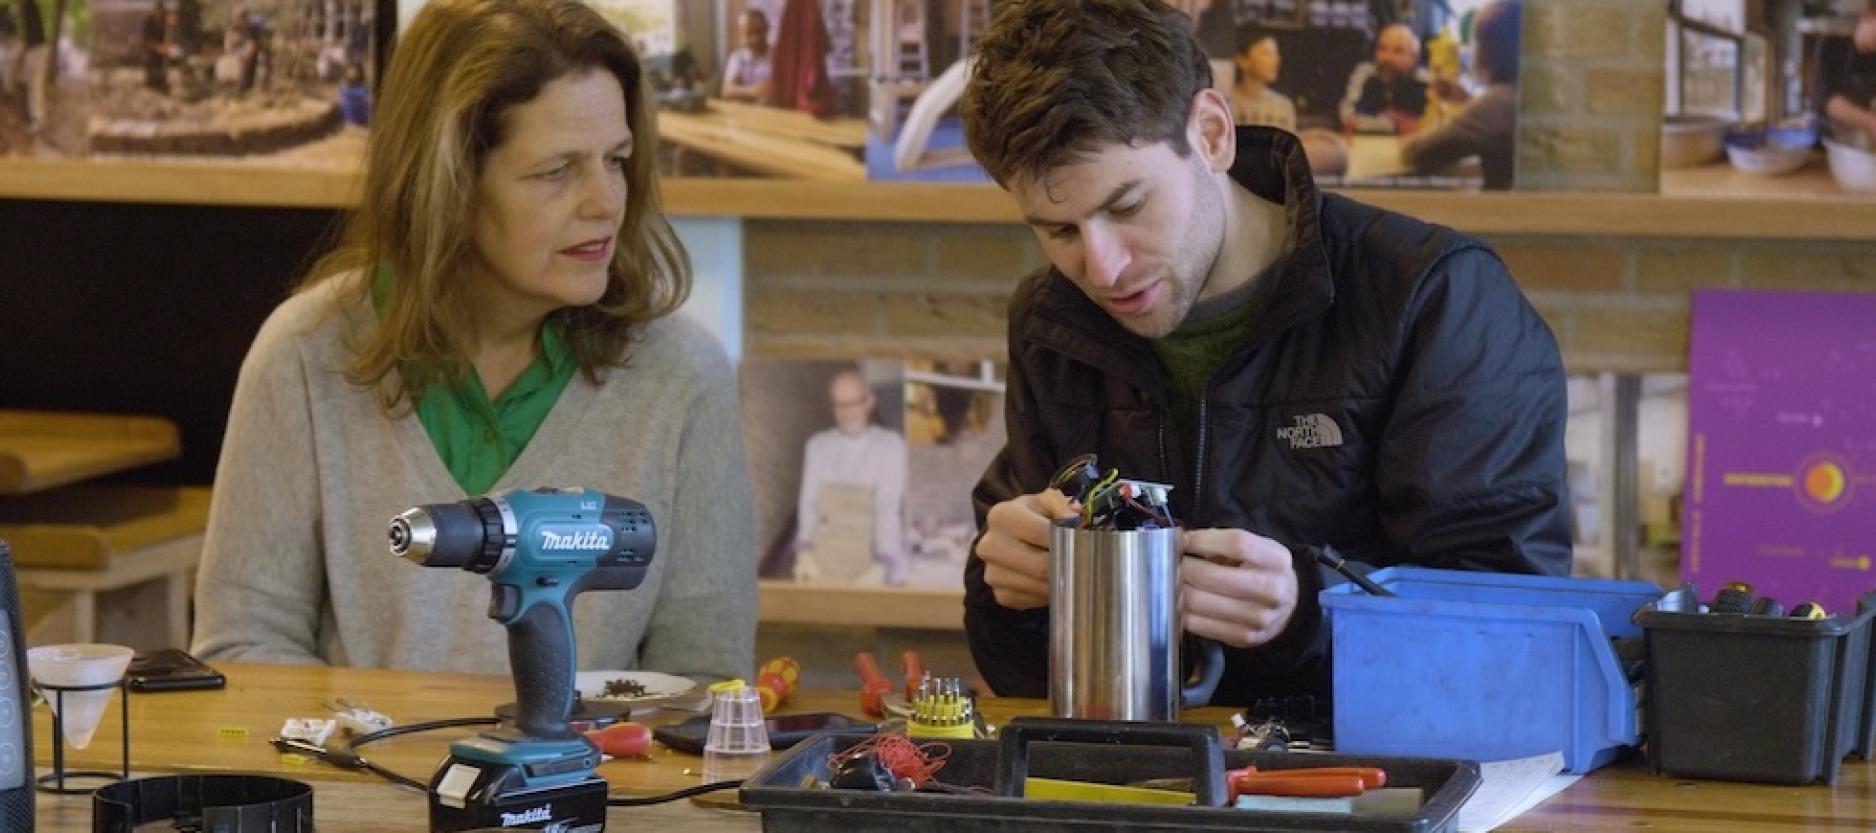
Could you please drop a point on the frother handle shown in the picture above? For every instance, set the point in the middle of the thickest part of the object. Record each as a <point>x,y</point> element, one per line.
<point>1211,669</point>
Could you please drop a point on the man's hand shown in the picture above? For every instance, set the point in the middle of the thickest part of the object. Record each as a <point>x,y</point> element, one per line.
<point>1240,590</point>
<point>1015,548</point>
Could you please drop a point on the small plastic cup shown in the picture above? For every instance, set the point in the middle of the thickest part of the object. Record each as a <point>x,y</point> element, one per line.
<point>736,726</point>
<point>738,743</point>
<point>78,665</point>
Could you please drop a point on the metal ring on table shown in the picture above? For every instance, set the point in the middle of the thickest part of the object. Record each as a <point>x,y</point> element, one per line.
<point>232,803</point>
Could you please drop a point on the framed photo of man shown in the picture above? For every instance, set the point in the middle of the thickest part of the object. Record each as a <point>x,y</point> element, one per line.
<point>828,459</point>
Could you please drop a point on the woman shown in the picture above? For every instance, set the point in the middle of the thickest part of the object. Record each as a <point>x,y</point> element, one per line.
<point>497,316</point>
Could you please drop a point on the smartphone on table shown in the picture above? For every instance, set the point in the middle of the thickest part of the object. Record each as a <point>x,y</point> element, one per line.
<point>171,669</point>
<point>784,730</point>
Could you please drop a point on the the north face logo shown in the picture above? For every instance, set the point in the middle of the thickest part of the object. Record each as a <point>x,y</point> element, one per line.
<point>1311,431</point>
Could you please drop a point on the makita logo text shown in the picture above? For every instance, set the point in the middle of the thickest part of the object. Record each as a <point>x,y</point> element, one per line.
<point>585,539</point>
<point>543,813</point>
<point>1311,431</point>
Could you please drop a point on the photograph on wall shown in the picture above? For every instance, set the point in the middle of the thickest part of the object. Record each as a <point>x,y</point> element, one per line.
<point>1401,93</point>
<point>826,442</point>
<point>1770,99</point>
<point>863,469</point>
<point>914,130</point>
<point>282,83</point>
<point>748,88</point>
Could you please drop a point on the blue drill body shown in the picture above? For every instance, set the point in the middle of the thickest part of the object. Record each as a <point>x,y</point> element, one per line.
<point>539,548</point>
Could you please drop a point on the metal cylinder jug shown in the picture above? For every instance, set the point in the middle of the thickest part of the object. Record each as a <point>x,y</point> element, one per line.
<point>1114,626</point>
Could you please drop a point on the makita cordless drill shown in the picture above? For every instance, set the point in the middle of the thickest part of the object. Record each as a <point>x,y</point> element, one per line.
<point>539,549</point>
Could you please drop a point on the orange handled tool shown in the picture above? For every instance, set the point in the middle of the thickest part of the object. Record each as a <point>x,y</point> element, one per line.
<point>622,740</point>
<point>1315,782</point>
<point>914,672</point>
<point>775,680</point>
<point>873,685</point>
<point>878,696</point>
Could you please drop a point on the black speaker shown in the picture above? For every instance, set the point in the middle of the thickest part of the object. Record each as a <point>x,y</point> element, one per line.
<point>16,725</point>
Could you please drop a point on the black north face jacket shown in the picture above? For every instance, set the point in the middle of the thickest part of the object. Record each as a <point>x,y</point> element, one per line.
<point>1399,401</point>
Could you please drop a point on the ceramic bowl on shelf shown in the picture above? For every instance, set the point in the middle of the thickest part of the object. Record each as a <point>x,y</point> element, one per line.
<point>1852,159</point>
<point>1769,151</point>
<point>1691,141</point>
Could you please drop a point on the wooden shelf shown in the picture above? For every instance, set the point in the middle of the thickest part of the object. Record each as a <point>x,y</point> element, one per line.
<point>83,527</point>
<point>192,183</point>
<point>795,603</point>
<point>43,449</point>
<point>1520,212</point>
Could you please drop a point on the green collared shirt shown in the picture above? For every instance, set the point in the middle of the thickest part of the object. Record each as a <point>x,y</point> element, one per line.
<point>479,439</point>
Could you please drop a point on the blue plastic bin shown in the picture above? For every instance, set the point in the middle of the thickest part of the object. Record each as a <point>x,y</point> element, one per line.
<point>1484,666</point>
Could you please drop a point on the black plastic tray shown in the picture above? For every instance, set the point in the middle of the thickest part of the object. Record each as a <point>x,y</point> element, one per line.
<point>1757,698</point>
<point>1096,751</point>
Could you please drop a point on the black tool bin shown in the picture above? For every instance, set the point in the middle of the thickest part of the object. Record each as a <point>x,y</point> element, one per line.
<point>1110,752</point>
<point>1757,698</point>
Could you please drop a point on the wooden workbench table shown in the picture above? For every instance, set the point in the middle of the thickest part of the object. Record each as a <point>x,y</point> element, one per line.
<point>185,732</point>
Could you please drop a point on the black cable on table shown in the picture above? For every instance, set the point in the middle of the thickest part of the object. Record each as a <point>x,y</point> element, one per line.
<point>349,758</point>
<point>687,792</point>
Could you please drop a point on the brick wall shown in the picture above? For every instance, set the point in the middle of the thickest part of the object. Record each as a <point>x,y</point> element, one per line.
<point>887,289</point>
<point>1590,94</point>
<point>1591,99</point>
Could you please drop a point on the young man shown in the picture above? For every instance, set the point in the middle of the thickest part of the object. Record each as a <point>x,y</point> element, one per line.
<point>1305,370</point>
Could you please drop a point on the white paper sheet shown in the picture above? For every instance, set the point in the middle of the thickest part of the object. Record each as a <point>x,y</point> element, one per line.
<point>1508,788</point>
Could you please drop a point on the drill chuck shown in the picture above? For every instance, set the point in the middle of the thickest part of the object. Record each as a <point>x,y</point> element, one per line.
<point>473,535</point>
<point>413,535</point>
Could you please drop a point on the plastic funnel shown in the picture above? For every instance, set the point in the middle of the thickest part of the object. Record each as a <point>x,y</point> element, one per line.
<point>78,665</point>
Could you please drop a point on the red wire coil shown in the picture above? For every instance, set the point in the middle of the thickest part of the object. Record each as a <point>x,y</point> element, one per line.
<point>906,760</point>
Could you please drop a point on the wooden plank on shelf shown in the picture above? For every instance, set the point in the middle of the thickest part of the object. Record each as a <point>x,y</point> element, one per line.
<point>796,603</point>
<point>43,449</point>
<point>82,527</point>
<point>196,183</point>
<point>1547,213</point>
<point>1588,214</point>
<point>1812,181</point>
<point>791,159</point>
<point>909,202</point>
<point>841,131</point>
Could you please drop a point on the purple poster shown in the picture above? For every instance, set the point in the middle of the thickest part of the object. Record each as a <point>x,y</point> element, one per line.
<point>1781,446</point>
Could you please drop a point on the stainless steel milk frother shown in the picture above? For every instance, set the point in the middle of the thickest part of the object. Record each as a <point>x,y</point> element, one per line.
<point>1114,626</point>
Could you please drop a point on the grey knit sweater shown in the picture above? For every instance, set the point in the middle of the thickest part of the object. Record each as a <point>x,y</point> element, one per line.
<point>296,568</point>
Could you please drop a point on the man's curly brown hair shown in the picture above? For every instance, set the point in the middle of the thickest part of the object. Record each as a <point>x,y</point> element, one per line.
<point>1056,79</point>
